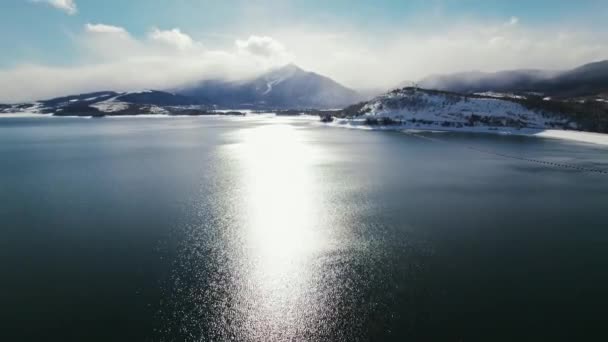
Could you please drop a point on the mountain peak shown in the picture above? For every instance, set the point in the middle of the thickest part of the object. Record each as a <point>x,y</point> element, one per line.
<point>287,70</point>
<point>288,86</point>
<point>283,73</point>
<point>599,66</point>
<point>290,67</point>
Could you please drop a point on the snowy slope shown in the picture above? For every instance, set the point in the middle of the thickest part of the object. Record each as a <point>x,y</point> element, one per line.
<point>111,103</point>
<point>416,106</point>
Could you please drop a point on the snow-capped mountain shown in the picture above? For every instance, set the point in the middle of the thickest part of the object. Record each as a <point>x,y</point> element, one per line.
<point>427,108</point>
<point>287,87</point>
<point>113,103</point>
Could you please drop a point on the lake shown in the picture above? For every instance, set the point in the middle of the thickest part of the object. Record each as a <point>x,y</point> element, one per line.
<point>276,229</point>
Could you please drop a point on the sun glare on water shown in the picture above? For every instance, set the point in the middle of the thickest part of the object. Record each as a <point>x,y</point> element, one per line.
<point>283,227</point>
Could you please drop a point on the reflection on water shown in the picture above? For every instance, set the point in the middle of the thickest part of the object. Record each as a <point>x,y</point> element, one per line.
<point>250,269</point>
<point>281,205</point>
<point>281,199</point>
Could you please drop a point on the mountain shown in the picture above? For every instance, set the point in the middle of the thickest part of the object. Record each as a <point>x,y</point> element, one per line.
<point>80,99</point>
<point>476,81</point>
<point>587,80</point>
<point>288,87</point>
<point>433,109</point>
<point>113,103</point>
<point>158,98</point>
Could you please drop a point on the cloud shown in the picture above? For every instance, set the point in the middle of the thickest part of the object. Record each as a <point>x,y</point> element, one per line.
<point>102,42</point>
<point>102,28</point>
<point>173,37</point>
<point>68,6</point>
<point>261,46</point>
<point>113,58</point>
<point>384,59</point>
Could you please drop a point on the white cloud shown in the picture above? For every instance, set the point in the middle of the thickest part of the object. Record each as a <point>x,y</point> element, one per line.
<point>102,28</point>
<point>115,59</point>
<point>68,6</point>
<point>261,46</point>
<point>174,37</point>
<point>102,42</point>
<point>365,60</point>
<point>263,50</point>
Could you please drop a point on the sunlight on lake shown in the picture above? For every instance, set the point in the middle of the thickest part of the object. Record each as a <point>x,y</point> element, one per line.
<point>283,229</point>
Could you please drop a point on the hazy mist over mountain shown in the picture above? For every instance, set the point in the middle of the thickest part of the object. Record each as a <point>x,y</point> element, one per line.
<point>285,87</point>
<point>586,80</point>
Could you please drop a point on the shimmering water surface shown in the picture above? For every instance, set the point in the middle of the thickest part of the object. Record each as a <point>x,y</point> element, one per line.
<point>271,229</point>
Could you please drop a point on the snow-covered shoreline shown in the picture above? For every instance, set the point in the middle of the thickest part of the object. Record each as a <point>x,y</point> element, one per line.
<point>570,135</point>
<point>110,116</point>
<point>584,137</point>
<point>24,115</point>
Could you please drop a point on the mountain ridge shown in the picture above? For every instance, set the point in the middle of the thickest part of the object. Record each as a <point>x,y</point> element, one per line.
<point>287,87</point>
<point>590,79</point>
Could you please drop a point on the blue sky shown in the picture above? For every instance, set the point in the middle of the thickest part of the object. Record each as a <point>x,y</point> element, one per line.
<point>363,44</point>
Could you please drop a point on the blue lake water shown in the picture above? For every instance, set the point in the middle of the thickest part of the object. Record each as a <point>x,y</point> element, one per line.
<point>275,229</point>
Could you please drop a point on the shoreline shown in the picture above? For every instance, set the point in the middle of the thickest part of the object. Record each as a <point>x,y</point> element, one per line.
<point>592,138</point>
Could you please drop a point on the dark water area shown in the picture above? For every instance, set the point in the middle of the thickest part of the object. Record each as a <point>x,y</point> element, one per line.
<point>271,229</point>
